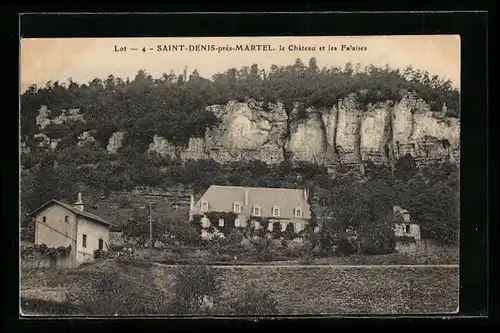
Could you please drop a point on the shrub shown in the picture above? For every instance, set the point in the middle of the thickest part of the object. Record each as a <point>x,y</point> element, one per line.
<point>277,233</point>
<point>193,286</point>
<point>235,237</point>
<point>115,247</point>
<point>289,231</point>
<point>378,240</point>
<point>253,302</point>
<point>101,254</point>
<point>112,295</point>
<point>345,247</point>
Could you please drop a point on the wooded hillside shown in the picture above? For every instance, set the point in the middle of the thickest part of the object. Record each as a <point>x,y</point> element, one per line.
<point>174,106</point>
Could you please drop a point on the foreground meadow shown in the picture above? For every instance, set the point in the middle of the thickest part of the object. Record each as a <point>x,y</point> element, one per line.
<point>294,290</point>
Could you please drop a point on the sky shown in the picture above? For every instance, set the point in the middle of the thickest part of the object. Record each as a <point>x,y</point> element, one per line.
<point>83,59</point>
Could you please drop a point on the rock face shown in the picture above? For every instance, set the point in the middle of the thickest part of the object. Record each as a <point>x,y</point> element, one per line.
<point>247,131</point>
<point>115,142</point>
<point>343,134</point>
<point>376,134</point>
<point>45,117</point>
<point>347,133</point>
<point>308,140</point>
<point>85,138</point>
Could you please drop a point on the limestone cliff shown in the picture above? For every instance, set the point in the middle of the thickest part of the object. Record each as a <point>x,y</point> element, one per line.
<point>46,118</point>
<point>347,133</point>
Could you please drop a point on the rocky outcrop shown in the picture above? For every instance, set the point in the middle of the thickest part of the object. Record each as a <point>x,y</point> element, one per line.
<point>115,142</point>
<point>347,133</point>
<point>377,134</point>
<point>250,131</point>
<point>46,118</point>
<point>85,138</point>
<point>41,140</point>
<point>247,131</point>
<point>308,139</point>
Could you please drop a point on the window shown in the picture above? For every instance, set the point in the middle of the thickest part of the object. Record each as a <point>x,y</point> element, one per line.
<point>44,219</point>
<point>407,228</point>
<point>256,211</point>
<point>237,207</point>
<point>221,222</point>
<point>84,240</point>
<point>298,212</point>
<point>237,223</point>
<point>66,219</point>
<point>101,244</point>
<point>204,206</point>
<point>276,211</point>
<point>298,227</point>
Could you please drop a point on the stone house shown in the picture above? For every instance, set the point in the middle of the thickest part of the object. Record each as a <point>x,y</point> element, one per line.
<point>406,230</point>
<point>403,225</point>
<point>60,224</point>
<point>253,203</point>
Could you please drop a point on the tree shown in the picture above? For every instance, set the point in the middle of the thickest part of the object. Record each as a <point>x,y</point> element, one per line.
<point>362,206</point>
<point>289,231</point>
<point>376,238</point>
<point>138,228</point>
<point>405,168</point>
<point>277,230</point>
<point>182,231</point>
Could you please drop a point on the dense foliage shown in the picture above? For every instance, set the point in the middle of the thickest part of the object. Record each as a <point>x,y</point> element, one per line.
<point>41,250</point>
<point>174,106</point>
<point>430,194</point>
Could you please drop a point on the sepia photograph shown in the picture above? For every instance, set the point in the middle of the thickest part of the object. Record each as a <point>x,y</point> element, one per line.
<point>239,176</point>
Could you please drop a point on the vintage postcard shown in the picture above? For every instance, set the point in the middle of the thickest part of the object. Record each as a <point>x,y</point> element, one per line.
<point>240,176</point>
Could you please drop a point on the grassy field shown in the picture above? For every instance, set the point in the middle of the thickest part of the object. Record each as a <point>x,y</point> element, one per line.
<point>299,290</point>
<point>353,290</point>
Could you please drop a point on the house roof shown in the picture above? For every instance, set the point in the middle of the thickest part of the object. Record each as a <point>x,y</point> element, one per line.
<point>399,210</point>
<point>396,218</point>
<point>73,210</point>
<point>396,215</point>
<point>222,198</point>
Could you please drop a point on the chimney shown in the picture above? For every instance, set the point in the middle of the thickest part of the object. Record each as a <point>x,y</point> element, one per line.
<point>79,203</point>
<point>444,109</point>
<point>246,196</point>
<point>306,194</point>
